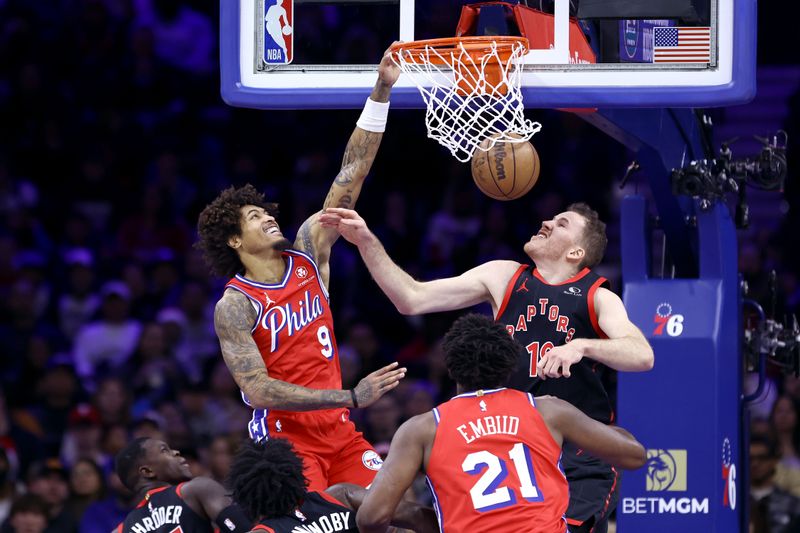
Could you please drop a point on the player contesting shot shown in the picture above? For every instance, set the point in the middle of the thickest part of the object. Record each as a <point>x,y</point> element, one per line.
<point>572,327</point>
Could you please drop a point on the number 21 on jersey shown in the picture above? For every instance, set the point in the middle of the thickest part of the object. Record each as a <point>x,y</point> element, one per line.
<point>487,494</point>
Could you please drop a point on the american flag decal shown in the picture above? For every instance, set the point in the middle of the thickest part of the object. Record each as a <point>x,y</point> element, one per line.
<point>681,45</point>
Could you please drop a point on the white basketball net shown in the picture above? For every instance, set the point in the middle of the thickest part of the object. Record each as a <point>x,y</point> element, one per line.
<point>462,108</point>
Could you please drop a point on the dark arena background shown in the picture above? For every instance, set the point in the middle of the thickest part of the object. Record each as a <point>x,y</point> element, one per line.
<point>114,136</point>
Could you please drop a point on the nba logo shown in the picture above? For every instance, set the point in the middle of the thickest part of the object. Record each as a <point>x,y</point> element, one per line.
<point>278,34</point>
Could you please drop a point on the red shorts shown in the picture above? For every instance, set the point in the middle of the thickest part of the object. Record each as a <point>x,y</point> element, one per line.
<point>333,451</point>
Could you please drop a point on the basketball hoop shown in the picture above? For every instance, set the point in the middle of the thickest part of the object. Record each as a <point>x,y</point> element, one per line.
<point>471,89</point>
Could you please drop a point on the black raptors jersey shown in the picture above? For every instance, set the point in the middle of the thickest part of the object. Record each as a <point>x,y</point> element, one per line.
<point>541,316</point>
<point>318,512</point>
<point>163,511</point>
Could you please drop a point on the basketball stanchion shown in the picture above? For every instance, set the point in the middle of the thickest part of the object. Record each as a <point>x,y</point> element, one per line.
<point>471,89</point>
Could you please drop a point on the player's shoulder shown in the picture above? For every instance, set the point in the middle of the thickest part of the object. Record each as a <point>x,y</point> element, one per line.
<point>418,427</point>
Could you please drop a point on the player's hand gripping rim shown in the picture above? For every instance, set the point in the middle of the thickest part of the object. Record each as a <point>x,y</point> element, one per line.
<point>375,385</point>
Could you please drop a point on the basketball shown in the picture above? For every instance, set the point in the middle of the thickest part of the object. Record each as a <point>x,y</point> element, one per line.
<point>506,171</point>
<point>287,30</point>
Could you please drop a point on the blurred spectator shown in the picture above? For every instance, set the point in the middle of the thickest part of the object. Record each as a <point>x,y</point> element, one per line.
<point>153,369</point>
<point>220,455</point>
<point>19,446</point>
<point>173,324</point>
<point>226,403</point>
<point>86,486</point>
<point>107,344</point>
<point>772,510</point>
<point>82,439</point>
<point>29,514</point>
<point>200,341</point>
<point>419,397</point>
<point>78,304</point>
<point>787,431</point>
<point>112,401</point>
<point>104,515</point>
<point>199,415</point>
<point>184,37</point>
<point>16,331</point>
<point>8,488</point>
<point>58,391</point>
<point>48,480</point>
<point>150,425</point>
<point>382,419</point>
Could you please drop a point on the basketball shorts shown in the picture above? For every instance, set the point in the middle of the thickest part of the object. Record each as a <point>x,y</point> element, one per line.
<point>333,451</point>
<point>593,487</point>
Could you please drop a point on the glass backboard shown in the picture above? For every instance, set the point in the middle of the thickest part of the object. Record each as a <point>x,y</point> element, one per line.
<point>318,54</point>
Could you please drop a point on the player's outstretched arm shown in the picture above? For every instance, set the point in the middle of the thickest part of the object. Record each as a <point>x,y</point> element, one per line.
<point>625,349</point>
<point>406,457</point>
<point>210,499</point>
<point>234,317</point>
<point>484,283</point>
<point>359,155</point>
<point>610,443</point>
<point>408,515</point>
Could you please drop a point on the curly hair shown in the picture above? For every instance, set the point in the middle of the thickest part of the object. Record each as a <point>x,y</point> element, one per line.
<point>479,353</point>
<point>594,234</point>
<point>128,461</point>
<point>266,478</point>
<point>221,220</point>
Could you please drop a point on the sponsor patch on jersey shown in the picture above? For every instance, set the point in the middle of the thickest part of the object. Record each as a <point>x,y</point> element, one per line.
<point>301,272</point>
<point>573,291</point>
<point>372,460</point>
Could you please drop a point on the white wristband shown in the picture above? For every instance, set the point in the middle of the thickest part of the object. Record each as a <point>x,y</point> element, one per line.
<point>373,118</point>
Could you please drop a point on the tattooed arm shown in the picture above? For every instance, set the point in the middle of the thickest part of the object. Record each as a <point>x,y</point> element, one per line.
<point>234,317</point>
<point>358,157</point>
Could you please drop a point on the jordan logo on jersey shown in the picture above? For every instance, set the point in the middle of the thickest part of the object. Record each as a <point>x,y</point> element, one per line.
<point>286,317</point>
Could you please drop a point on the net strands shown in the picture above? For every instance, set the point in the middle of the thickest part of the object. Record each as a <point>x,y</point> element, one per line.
<point>471,93</point>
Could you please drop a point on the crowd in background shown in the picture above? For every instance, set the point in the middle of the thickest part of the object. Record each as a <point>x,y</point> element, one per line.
<point>112,139</point>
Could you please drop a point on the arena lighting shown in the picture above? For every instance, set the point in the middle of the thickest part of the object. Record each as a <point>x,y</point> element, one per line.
<point>709,180</point>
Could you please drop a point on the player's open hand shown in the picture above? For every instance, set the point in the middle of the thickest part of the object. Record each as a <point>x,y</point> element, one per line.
<point>557,361</point>
<point>348,223</point>
<point>378,383</point>
<point>388,71</point>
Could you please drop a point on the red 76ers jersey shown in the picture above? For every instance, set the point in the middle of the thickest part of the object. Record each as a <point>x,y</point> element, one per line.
<point>494,466</point>
<point>294,327</point>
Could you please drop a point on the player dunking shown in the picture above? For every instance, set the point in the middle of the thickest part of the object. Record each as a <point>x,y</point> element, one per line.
<point>491,454</point>
<point>274,323</point>
<point>559,310</point>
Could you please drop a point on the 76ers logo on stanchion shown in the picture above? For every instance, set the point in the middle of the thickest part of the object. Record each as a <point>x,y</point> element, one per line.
<point>278,31</point>
<point>729,475</point>
<point>666,320</point>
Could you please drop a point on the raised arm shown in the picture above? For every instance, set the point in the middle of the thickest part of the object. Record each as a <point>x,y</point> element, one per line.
<point>210,499</point>
<point>234,317</point>
<point>406,457</point>
<point>610,443</point>
<point>484,283</point>
<point>359,154</point>
<point>408,515</point>
<point>625,349</point>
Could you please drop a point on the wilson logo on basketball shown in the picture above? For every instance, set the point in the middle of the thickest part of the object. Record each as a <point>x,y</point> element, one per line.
<point>301,272</point>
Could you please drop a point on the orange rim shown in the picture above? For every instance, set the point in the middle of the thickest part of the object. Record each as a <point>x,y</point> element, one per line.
<point>475,46</point>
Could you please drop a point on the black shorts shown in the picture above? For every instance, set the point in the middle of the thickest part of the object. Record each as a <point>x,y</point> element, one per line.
<point>593,486</point>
